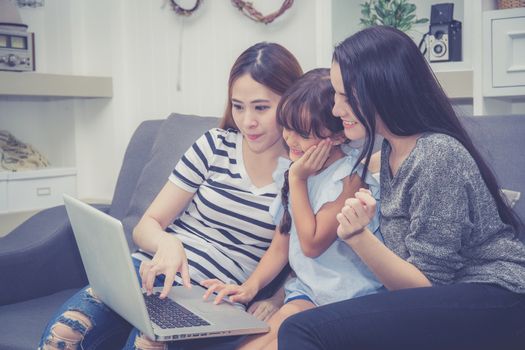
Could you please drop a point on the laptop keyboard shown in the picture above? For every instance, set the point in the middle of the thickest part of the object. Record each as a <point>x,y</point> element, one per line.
<point>167,313</point>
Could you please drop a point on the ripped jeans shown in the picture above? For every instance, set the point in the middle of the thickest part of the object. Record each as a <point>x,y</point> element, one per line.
<point>97,323</point>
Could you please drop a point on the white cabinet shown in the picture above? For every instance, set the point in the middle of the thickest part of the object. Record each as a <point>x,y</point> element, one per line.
<point>504,32</point>
<point>35,189</point>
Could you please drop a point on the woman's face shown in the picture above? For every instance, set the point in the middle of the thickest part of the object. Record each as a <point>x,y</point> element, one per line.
<point>254,112</point>
<point>353,129</point>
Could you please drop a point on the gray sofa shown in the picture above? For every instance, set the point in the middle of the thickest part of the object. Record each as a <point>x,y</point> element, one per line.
<point>39,262</point>
<point>40,267</point>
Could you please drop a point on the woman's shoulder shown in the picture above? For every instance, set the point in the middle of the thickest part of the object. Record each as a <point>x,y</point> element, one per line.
<point>221,138</point>
<point>223,133</point>
<point>434,147</point>
<point>440,142</point>
<point>440,153</point>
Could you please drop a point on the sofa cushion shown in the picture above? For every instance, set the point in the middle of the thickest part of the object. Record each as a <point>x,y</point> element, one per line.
<point>176,135</point>
<point>500,141</point>
<point>512,197</point>
<point>22,324</point>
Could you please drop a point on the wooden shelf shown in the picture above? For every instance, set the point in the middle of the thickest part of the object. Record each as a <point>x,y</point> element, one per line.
<point>54,85</point>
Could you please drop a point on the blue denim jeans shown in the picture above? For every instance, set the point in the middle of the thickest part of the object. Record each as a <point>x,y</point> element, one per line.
<point>107,324</point>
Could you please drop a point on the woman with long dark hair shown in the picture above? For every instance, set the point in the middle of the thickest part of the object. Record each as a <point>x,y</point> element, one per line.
<point>451,256</point>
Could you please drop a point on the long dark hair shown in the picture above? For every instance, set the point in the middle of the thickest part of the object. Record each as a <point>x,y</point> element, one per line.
<point>384,74</point>
<point>269,64</point>
<point>305,108</point>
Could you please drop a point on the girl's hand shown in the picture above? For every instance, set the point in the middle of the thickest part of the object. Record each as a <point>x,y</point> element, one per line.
<point>312,160</point>
<point>356,214</point>
<point>169,259</point>
<point>237,294</point>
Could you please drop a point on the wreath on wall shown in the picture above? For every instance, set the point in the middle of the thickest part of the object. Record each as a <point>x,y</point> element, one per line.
<point>185,11</point>
<point>249,10</point>
<point>246,7</point>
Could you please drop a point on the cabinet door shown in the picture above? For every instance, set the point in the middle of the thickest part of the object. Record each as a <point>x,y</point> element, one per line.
<point>508,52</point>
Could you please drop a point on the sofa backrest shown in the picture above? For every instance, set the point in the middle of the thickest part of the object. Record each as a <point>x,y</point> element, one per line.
<point>157,145</point>
<point>152,153</point>
<point>501,141</point>
<point>136,156</point>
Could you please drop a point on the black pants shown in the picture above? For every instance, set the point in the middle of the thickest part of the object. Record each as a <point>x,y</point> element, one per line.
<point>462,316</point>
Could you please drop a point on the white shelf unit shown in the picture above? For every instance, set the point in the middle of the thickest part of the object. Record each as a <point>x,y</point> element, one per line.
<point>23,97</point>
<point>463,81</point>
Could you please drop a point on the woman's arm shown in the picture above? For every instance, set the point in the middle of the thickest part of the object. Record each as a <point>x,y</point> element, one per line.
<point>167,250</point>
<point>391,270</point>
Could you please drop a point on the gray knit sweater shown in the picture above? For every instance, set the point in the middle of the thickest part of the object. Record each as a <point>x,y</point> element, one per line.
<point>438,214</point>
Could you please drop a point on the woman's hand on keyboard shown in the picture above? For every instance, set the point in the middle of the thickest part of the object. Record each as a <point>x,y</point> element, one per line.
<point>228,292</point>
<point>169,259</point>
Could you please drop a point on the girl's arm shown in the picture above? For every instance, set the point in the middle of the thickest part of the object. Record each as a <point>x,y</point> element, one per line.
<point>390,269</point>
<point>167,250</point>
<point>318,231</point>
<point>272,262</point>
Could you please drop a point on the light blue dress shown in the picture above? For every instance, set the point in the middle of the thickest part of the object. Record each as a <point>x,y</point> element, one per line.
<point>338,273</point>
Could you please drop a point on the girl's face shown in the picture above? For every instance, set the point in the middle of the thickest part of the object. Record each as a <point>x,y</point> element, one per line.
<point>298,144</point>
<point>354,130</point>
<point>253,110</point>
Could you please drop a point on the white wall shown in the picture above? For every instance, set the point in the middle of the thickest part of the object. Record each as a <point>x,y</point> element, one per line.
<point>137,42</point>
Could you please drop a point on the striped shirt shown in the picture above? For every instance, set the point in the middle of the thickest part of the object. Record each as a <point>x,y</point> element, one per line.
<point>227,226</point>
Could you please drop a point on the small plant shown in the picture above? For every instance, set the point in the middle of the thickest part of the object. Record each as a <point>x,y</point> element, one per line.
<point>399,14</point>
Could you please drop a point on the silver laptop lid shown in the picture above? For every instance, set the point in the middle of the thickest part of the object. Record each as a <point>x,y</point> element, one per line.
<point>107,261</point>
<point>108,266</point>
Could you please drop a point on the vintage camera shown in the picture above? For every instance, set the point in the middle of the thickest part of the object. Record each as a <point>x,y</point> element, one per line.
<point>444,36</point>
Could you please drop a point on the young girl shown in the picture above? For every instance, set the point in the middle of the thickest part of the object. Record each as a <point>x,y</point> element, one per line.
<point>197,225</point>
<point>315,186</point>
<point>451,256</point>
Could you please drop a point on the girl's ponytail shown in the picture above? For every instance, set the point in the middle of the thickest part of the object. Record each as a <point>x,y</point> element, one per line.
<point>286,221</point>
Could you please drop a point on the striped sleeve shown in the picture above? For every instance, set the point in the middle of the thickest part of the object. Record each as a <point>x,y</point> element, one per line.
<point>194,166</point>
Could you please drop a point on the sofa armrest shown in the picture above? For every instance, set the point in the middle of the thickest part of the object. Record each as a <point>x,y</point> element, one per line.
<point>40,257</point>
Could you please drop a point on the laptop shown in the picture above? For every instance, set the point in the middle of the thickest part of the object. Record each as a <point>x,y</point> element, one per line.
<point>111,274</point>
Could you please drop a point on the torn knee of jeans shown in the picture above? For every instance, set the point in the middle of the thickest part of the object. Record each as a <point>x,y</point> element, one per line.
<point>70,329</point>
<point>90,292</point>
<point>144,343</point>
<point>76,320</point>
<point>55,342</point>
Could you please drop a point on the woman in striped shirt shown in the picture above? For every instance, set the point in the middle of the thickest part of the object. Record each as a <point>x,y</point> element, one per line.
<point>211,219</point>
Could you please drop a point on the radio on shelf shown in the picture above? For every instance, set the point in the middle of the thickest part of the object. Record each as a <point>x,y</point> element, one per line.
<point>17,51</point>
<point>17,45</point>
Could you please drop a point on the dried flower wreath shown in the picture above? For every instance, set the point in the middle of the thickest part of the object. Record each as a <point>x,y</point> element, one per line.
<point>247,8</point>
<point>182,11</point>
